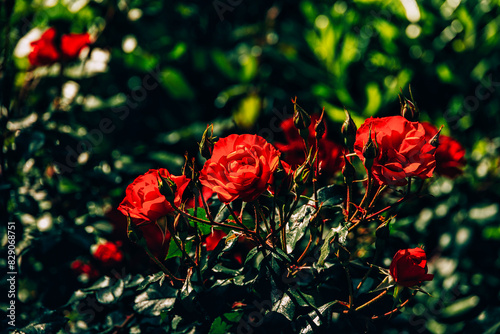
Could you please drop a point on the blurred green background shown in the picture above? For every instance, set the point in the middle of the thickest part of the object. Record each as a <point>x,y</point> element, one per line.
<point>160,71</point>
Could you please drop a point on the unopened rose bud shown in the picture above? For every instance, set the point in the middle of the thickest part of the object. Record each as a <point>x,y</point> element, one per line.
<point>409,109</point>
<point>207,142</point>
<point>301,118</point>
<point>370,151</point>
<point>349,130</point>
<point>301,174</point>
<point>167,188</point>
<point>348,171</point>
<point>320,127</point>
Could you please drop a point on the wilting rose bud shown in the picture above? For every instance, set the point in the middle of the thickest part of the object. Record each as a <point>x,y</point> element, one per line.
<point>435,139</point>
<point>301,118</point>
<point>348,171</point>
<point>409,267</point>
<point>320,127</point>
<point>349,129</point>
<point>207,142</point>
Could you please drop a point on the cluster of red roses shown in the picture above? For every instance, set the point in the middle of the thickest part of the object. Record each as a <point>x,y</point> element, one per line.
<point>243,167</point>
<point>52,48</point>
<point>107,254</point>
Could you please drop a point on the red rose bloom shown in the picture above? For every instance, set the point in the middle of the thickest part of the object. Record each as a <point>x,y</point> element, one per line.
<point>402,149</point>
<point>240,167</point>
<point>143,200</point>
<point>45,51</point>
<point>409,267</point>
<point>109,253</point>
<point>329,153</point>
<point>450,155</point>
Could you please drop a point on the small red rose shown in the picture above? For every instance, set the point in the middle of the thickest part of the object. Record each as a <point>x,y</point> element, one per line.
<point>80,267</point>
<point>402,149</point>
<point>409,267</point>
<point>450,154</point>
<point>109,253</point>
<point>143,200</point>
<point>240,167</point>
<point>46,51</point>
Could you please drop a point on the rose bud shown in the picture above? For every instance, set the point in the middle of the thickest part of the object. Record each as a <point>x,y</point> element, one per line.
<point>320,127</point>
<point>301,118</point>
<point>409,109</point>
<point>409,267</point>
<point>369,151</point>
<point>348,171</point>
<point>207,142</point>
<point>349,129</point>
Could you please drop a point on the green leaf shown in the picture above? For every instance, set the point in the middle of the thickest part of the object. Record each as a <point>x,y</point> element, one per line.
<point>341,233</point>
<point>111,294</point>
<point>204,228</point>
<point>175,83</point>
<point>285,306</point>
<point>331,195</point>
<point>154,300</point>
<point>49,322</point>
<point>174,251</point>
<point>298,224</point>
<point>219,326</point>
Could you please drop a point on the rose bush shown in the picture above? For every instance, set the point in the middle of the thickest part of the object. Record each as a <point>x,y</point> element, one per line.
<point>45,51</point>
<point>403,149</point>
<point>240,167</point>
<point>409,267</point>
<point>143,200</point>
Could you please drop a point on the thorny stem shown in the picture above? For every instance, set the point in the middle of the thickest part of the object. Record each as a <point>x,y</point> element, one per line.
<point>162,267</point>
<point>380,295</point>
<point>396,309</point>
<point>307,248</point>
<point>122,326</point>
<point>349,284</point>
<point>179,245</point>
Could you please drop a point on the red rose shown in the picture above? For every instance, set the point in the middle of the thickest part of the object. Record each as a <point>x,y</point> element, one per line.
<point>402,149</point>
<point>329,153</point>
<point>109,253</point>
<point>450,155</point>
<point>46,52</point>
<point>240,167</point>
<point>409,267</point>
<point>143,199</point>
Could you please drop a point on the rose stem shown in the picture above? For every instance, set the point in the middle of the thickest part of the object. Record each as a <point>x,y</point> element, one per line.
<point>236,218</point>
<point>179,245</point>
<point>349,285</point>
<point>258,210</point>
<point>380,295</point>
<point>396,309</point>
<point>307,248</point>
<point>162,267</point>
